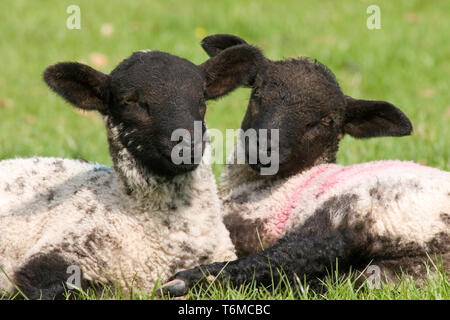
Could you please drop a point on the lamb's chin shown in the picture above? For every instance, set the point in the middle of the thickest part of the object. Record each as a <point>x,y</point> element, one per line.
<point>169,169</point>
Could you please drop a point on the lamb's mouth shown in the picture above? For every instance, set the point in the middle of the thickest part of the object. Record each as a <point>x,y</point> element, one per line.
<point>283,167</point>
<point>258,166</point>
<point>170,165</point>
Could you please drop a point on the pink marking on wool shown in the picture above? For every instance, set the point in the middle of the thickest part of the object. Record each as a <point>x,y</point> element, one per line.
<point>348,172</point>
<point>282,216</point>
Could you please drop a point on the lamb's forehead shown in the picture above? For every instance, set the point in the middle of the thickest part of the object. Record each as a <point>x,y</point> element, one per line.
<point>148,66</point>
<point>299,70</point>
<point>301,82</point>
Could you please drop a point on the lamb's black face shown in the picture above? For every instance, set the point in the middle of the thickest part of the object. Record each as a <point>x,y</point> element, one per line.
<point>302,99</point>
<point>152,95</point>
<point>149,96</point>
<point>303,102</point>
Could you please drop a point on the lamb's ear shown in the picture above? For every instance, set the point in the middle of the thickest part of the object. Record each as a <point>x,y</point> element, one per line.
<point>79,84</point>
<point>233,67</point>
<point>216,43</point>
<point>367,119</point>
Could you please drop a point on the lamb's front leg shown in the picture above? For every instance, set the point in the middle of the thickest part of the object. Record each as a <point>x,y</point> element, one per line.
<point>308,251</point>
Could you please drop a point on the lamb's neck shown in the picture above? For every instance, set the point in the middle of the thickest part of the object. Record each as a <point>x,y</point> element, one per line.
<point>235,175</point>
<point>148,190</point>
<point>153,191</point>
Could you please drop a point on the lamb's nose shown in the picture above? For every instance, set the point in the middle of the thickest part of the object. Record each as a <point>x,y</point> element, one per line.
<point>196,151</point>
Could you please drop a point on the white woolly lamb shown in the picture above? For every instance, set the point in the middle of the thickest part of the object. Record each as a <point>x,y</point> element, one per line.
<point>142,220</point>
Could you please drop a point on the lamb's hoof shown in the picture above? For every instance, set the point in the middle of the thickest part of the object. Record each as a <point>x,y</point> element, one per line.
<point>174,288</point>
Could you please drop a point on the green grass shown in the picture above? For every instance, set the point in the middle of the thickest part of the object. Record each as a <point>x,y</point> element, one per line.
<point>337,287</point>
<point>406,62</point>
<point>436,286</point>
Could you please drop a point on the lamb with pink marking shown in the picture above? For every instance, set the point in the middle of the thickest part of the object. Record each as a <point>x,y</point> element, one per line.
<point>313,212</point>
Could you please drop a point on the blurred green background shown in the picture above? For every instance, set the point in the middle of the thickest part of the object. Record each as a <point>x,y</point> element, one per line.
<point>406,62</point>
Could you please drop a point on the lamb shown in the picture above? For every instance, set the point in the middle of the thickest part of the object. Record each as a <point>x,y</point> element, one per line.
<point>141,221</point>
<point>313,211</point>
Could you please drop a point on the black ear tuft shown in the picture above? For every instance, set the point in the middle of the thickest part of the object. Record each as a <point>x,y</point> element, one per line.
<point>233,67</point>
<point>367,119</point>
<point>79,84</point>
<point>216,43</point>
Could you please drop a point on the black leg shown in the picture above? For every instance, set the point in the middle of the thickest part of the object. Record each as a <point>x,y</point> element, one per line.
<point>43,276</point>
<point>307,251</point>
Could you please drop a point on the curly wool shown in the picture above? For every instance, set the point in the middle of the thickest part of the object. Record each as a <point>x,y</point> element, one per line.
<point>397,200</point>
<point>59,212</point>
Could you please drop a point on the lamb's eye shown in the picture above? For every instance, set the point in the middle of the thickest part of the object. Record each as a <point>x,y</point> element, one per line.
<point>129,101</point>
<point>131,98</point>
<point>326,121</point>
<point>311,125</point>
<point>256,92</point>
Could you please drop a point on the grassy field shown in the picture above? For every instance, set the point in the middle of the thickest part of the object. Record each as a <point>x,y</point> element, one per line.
<point>406,62</point>
<point>336,287</point>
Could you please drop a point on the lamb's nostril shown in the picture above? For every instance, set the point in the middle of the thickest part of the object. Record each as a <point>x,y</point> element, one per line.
<point>251,152</point>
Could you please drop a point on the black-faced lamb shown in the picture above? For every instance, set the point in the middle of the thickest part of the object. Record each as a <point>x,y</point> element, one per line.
<point>144,219</point>
<point>314,212</point>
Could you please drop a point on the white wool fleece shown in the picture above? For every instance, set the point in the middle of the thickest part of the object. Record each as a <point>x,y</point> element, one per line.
<point>71,212</point>
<point>398,201</point>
